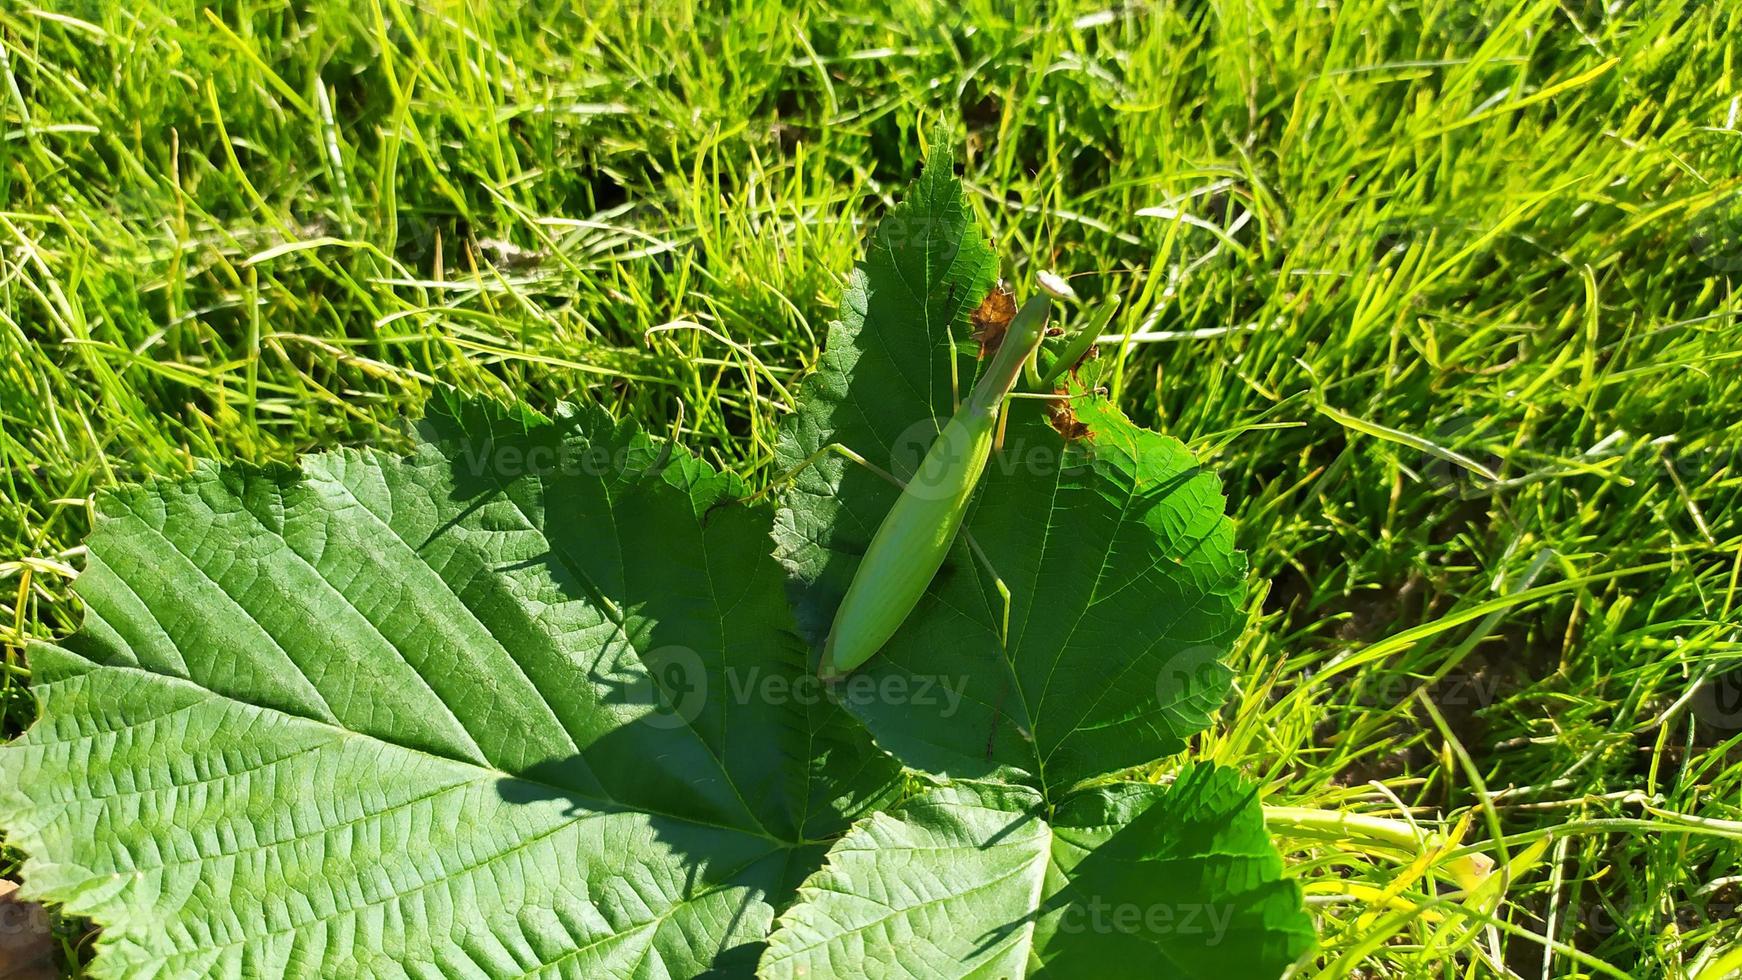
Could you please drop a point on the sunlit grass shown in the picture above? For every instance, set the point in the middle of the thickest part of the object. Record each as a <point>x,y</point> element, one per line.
<point>1446,293</point>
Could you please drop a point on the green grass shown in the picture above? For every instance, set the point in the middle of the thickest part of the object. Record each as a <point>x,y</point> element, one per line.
<point>1420,241</point>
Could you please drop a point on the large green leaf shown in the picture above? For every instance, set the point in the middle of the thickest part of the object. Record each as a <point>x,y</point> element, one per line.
<point>980,880</point>
<point>479,710</point>
<point>1125,585</point>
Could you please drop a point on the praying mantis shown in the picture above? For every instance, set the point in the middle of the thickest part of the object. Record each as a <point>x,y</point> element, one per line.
<point>915,536</point>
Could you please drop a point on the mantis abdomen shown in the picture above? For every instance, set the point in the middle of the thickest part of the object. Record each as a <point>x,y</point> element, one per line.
<point>910,545</point>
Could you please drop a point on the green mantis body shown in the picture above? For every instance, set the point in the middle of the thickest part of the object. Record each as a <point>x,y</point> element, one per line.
<point>909,546</point>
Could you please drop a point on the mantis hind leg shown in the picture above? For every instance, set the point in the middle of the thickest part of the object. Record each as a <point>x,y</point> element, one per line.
<point>998,584</point>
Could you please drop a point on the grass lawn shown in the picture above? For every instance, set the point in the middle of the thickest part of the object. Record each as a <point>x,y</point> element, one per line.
<point>1447,292</point>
